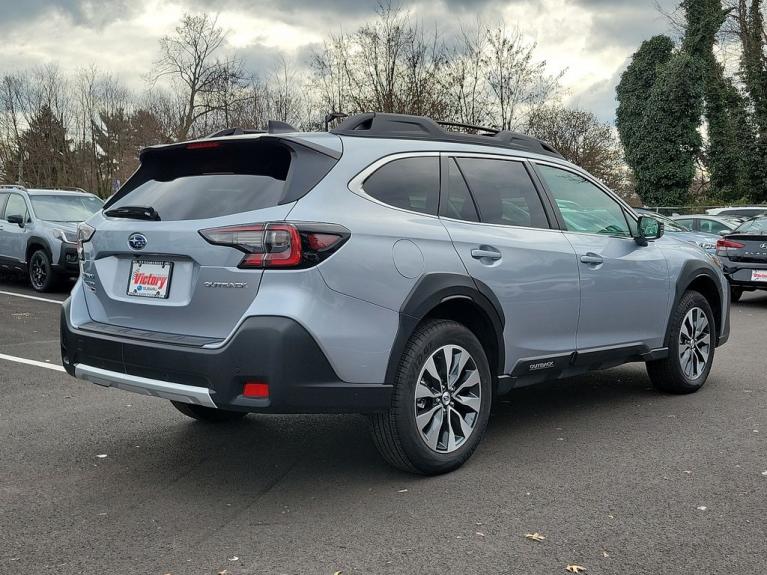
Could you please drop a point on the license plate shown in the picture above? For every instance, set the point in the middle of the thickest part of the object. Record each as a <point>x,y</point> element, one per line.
<point>759,275</point>
<point>150,279</point>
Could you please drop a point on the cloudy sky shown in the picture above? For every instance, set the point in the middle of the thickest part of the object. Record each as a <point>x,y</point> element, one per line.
<point>591,39</point>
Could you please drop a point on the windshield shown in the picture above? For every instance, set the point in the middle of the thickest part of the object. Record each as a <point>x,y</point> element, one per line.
<point>755,226</point>
<point>60,208</point>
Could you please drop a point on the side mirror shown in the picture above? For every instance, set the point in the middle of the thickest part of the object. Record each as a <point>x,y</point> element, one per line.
<point>648,228</point>
<point>16,219</point>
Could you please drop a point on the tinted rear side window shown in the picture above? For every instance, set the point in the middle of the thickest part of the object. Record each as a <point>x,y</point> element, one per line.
<point>232,177</point>
<point>504,192</point>
<point>458,204</point>
<point>408,183</point>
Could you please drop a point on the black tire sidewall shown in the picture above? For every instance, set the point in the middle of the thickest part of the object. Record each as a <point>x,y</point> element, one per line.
<point>690,300</point>
<point>422,457</point>
<point>49,277</point>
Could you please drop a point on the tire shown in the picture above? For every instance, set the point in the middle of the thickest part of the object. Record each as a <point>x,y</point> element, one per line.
<point>208,414</point>
<point>452,415</point>
<point>40,271</point>
<point>675,374</point>
<point>736,294</point>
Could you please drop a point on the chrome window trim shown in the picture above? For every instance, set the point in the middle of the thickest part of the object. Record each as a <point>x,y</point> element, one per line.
<point>355,184</point>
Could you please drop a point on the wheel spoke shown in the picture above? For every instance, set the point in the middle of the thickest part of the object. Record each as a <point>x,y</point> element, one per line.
<point>423,391</point>
<point>451,442</point>
<point>463,424</point>
<point>431,369</point>
<point>472,379</point>
<point>469,401</point>
<point>425,418</point>
<point>435,430</point>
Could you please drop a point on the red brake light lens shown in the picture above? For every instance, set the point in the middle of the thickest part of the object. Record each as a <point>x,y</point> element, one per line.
<point>279,244</point>
<point>202,145</point>
<point>724,246</point>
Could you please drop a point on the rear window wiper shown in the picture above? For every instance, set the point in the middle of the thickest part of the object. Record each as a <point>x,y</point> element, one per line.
<point>134,212</point>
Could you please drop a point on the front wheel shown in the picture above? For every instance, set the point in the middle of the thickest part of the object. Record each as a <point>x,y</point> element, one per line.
<point>691,347</point>
<point>41,274</point>
<point>208,414</point>
<point>440,403</point>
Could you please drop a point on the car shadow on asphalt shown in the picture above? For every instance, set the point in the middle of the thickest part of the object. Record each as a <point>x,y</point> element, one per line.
<point>264,448</point>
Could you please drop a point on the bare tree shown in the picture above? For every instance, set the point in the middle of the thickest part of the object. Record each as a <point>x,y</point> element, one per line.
<point>189,60</point>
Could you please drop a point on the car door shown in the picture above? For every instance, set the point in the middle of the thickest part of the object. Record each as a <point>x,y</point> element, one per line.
<point>13,238</point>
<point>625,288</point>
<point>3,223</point>
<point>501,229</point>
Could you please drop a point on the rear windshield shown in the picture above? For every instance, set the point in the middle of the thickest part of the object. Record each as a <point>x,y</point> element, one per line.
<point>220,178</point>
<point>59,208</point>
<point>755,226</point>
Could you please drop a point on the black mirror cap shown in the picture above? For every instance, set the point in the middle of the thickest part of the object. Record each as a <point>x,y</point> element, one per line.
<point>648,228</point>
<point>16,219</point>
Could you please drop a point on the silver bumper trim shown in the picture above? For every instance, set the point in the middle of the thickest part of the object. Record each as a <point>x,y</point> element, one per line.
<point>145,386</point>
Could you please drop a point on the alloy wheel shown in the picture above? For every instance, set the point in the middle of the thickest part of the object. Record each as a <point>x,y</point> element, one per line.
<point>38,272</point>
<point>447,399</point>
<point>694,343</point>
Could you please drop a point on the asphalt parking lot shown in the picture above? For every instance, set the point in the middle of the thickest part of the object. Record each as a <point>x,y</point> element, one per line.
<point>618,478</point>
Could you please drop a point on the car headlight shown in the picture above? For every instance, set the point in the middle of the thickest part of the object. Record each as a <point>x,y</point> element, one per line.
<point>65,236</point>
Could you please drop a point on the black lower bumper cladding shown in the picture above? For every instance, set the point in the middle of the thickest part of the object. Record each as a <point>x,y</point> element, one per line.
<point>269,349</point>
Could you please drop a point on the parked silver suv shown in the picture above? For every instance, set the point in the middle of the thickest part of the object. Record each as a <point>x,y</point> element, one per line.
<point>38,231</point>
<point>389,267</point>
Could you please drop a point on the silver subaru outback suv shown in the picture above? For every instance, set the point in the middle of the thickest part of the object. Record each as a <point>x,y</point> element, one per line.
<point>389,267</point>
<point>38,231</point>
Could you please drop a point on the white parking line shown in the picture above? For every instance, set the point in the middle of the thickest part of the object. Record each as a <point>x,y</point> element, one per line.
<point>31,297</point>
<point>52,366</point>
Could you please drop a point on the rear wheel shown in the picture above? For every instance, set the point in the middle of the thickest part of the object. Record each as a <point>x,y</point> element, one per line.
<point>202,413</point>
<point>41,274</point>
<point>691,347</point>
<point>440,403</point>
<point>736,294</point>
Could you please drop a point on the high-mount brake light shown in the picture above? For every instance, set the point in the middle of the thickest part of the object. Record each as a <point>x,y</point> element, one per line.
<point>724,246</point>
<point>202,145</point>
<point>279,244</point>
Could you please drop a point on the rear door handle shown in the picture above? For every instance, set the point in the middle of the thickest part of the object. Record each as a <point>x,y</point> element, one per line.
<point>592,258</point>
<point>490,254</point>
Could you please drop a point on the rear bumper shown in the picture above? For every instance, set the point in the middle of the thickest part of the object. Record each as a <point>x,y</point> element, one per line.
<point>739,273</point>
<point>274,350</point>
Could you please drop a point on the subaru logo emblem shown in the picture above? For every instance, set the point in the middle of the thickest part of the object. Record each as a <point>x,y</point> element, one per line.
<point>137,241</point>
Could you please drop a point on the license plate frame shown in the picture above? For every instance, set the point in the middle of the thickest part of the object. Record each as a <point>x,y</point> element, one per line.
<point>148,287</point>
<point>759,275</point>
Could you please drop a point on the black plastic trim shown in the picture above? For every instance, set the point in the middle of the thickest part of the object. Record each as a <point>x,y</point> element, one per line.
<point>428,293</point>
<point>691,271</point>
<point>277,350</point>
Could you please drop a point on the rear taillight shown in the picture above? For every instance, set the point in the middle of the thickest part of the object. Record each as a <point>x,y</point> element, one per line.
<point>84,234</point>
<point>280,244</point>
<point>724,246</point>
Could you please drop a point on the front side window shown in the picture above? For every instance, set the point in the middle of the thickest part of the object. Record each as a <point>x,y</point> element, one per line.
<point>503,192</point>
<point>16,206</point>
<point>408,183</point>
<point>584,207</point>
<point>687,223</point>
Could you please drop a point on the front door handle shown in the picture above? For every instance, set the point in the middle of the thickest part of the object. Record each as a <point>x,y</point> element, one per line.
<point>592,258</point>
<point>485,253</point>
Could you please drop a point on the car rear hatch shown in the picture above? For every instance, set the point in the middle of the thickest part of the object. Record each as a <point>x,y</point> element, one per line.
<point>744,247</point>
<point>148,270</point>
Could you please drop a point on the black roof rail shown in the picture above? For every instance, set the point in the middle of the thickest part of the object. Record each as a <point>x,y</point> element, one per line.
<point>380,125</point>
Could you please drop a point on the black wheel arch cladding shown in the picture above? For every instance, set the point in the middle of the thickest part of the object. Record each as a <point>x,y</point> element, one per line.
<point>431,291</point>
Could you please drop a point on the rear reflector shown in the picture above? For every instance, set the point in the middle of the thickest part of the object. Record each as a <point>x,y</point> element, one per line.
<point>256,389</point>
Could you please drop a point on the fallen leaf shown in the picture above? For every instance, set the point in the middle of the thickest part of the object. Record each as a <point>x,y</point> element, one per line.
<point>480,534</point>
<point>535,536</point>
<point>338,573</point>
<point>605,554</point>
<point>701,508</point>
<point>224,572</point>
<point>575,569</point>
<point>101,455</point>
<point>235,558</point>
<point>764,473</point>
<point>402,491</point>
